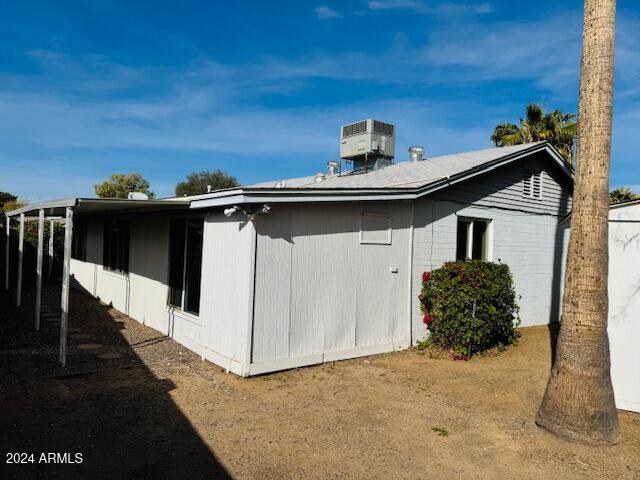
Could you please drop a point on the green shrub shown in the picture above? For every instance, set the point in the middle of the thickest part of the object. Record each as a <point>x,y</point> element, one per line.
<point>470,306</point>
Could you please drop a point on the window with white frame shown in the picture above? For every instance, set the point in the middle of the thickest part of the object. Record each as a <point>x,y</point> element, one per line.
<point>473,237</point>
<point>185,263</point>
<point>532,184</point>
<point>375,228</point>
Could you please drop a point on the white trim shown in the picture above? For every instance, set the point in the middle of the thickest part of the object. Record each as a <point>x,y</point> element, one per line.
<point>377,215</point>
<point>307,360</point>
<point>471,219</point>
<point>272,195</point>
<point>628,405</point>
<point>410,274</point>
<point>228,363</point>
<point>248,346</point>
<point>115,273</point>
<point>189,317</point>
<point>20,261</point>
<point>7,257</point>
<point>39,255</point>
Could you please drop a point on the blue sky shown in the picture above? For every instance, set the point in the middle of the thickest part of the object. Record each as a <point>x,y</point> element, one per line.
<point>259,89</point>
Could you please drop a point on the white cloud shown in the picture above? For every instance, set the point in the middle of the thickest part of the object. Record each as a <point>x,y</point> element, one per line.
<point>395,4</point>
<point>418,6</point>
<point>324,13</point>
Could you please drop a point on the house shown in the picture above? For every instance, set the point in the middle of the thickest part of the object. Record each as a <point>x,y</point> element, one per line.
<point>624,303</point>
<point>301,271</point>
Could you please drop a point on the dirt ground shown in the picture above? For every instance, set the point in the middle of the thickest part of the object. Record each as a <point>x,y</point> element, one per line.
<point>158,411</point>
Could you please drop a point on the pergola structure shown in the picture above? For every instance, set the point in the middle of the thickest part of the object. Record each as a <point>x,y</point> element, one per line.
<point>64,209</point>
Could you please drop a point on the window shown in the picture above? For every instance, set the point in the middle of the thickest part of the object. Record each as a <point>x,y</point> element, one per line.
<point>79,239</point>
<point>472,239</point>
<point>115,255</point>
<point>185,264</point>
<point>532,184</point>
<point>375,229</point>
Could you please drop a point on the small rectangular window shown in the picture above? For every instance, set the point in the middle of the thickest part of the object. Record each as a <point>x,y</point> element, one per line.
<point>472,239</point>
<point>375,229</point>
<point>185,264</point>
<point>115,255</point>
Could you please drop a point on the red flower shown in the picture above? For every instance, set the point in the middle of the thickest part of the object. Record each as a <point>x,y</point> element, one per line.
<point>425,276</point>
<point>426,319</point>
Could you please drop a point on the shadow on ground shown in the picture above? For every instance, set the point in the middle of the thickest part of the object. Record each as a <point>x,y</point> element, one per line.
<point>108,405</point>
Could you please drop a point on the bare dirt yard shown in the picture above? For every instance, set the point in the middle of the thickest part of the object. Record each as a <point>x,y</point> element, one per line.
<point>151,409</point>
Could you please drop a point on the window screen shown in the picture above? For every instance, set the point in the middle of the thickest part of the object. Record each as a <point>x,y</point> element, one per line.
<point>79,239</point>
<point>176,261</point>
<point>185,264</point>
<point>193,267</point>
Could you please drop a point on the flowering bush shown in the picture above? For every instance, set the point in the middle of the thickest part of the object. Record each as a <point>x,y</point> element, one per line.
<point>470,306</point>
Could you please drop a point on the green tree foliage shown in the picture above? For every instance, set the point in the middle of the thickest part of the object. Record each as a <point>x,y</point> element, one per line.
<point>9,202</point>
<point>557,127</point>
<point>119,185</point>
<point>470,306</point>
<point>622,194</point>
<point>198,182</point>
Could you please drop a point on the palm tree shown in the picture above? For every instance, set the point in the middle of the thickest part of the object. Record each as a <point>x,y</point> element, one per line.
<point>578,403</point>
<point>622,194</point>
<point>557,127</point>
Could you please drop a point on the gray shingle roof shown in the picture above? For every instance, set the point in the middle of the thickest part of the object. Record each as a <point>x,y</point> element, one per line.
<point>406,174</point>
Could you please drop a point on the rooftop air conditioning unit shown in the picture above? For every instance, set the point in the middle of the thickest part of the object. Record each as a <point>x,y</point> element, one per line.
<point>367,138</point>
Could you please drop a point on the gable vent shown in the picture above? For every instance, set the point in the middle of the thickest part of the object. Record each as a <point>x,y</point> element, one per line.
<point>532,184</point>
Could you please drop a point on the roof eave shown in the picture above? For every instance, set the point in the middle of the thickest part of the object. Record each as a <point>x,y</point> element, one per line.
<point>291,195</point>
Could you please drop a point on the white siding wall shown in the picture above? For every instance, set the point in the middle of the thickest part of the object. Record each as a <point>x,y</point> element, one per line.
<point>220,332</point>
<point>624,305</point>
<point>320,294</point>
<point>227,290</point>
<point>109,287</point>
<point>525,234</point>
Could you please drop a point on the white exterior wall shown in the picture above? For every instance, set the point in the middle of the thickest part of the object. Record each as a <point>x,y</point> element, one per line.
<point>108,287</point>
<point>624,305</point>
<point>227,290</point>
<point>143,292</point>
<point>320,294</point>
<point>525,234</point>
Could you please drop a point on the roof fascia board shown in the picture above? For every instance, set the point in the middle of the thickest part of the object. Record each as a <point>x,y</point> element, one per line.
<point>487,167</point>
<point>297,197</point>
<point>64,202</point>
<point>336,195</point>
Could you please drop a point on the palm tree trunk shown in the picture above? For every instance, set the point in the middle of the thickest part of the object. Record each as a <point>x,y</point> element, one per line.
<point>578,403</point>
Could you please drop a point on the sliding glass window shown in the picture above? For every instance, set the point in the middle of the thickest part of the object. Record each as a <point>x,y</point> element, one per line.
<point>185,264</point>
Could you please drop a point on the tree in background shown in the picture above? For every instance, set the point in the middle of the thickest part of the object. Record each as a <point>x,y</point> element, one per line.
<point>120,185</point>
<point>199,182</point>
<point>578,403</point>
<point>9,202</point>
<point>557,127</point>
<point>622,194</point>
